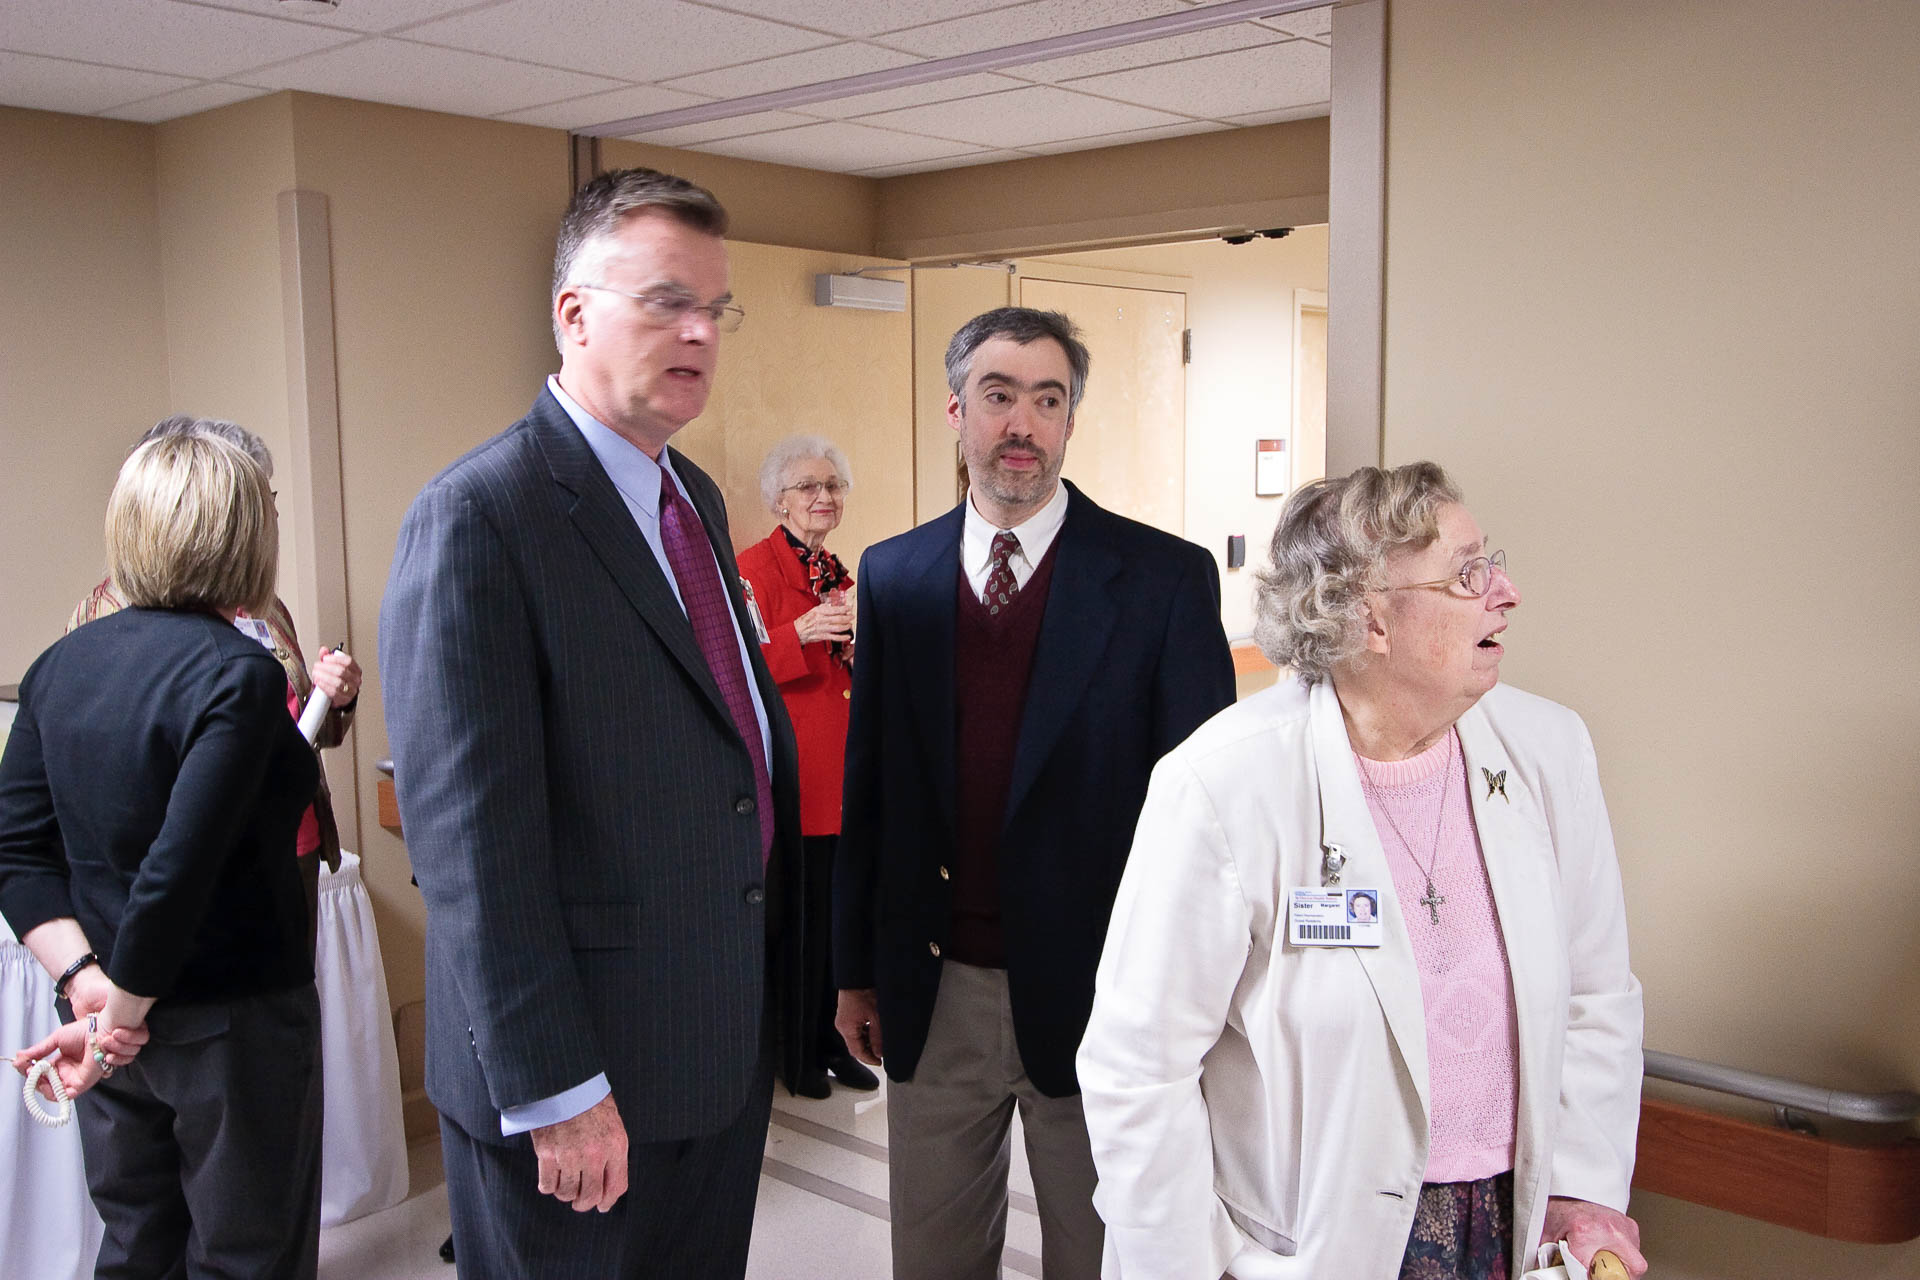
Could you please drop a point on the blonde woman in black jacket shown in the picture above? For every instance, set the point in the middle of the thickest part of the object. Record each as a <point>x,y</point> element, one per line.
<point>149,798</point>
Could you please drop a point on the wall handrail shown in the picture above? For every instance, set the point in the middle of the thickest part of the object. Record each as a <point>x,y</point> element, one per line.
<point>1896,1107</point>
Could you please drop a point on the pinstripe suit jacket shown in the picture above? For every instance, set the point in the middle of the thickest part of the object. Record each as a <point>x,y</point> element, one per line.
<point>577,802</point>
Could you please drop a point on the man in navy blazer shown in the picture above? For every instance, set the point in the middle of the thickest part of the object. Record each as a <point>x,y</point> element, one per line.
<point>598,785</point>
<point>1023,662</point>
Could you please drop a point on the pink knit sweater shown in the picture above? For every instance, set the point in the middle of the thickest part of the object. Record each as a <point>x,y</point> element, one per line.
<point>1472,1041</point>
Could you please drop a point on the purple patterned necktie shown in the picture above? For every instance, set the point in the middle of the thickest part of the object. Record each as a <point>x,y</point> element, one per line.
<point>691,556</point>
<point>1002,586</point>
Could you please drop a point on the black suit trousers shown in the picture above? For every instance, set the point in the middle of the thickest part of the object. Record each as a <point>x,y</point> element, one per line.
<point>688,1210</point>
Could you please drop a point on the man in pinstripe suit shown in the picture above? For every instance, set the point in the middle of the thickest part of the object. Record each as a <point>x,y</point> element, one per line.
<point>597,782</point>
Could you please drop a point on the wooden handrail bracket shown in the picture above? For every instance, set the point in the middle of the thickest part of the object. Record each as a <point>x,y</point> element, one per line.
<point>1843,1191</point>
<point>1247,658</point>
<point>389,805</point>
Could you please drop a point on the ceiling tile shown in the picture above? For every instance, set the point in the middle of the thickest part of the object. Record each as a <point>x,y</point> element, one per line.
<point>1023,117</point>
<point>1035,20</point>
<point>1307,22</point>
<point>57,84</point>
<point>1130,135</point>
<point>1193,44</point>
<point>370,16</point>
<point>915,95</point>
<point>838,146</point>
<point>1305,112</point>
<point>600,108</point>
<point>417,75</point>
<point>656,41</point>
<point>927,166</point>
<point>174,39</point>
<point>689,135</point>
<point>185,102</point>
<point>1245,81</point>
<point>846,19</point>
<point>812,66</point>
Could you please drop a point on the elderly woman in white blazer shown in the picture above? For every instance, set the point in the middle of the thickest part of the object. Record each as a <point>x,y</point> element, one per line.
<point>1428,1106</point>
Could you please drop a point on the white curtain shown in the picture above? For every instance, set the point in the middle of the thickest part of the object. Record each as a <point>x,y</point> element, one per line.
<point>363,1162</point>
<point>48,1229</point>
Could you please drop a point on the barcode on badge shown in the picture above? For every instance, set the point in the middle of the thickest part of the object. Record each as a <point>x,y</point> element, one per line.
<point>1326,932</point>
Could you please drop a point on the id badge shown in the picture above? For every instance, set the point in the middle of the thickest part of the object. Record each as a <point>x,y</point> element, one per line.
<point>753,612</point>
<point>257,629</point>
<point>1336,917</point>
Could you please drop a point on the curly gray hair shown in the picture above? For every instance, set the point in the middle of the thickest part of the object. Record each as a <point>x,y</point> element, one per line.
<point>780,460</point>
<point>1330,549</point>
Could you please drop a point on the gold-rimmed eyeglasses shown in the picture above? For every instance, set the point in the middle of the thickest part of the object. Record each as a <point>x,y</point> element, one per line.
<point>1476,576</point>
<point>665,310</point>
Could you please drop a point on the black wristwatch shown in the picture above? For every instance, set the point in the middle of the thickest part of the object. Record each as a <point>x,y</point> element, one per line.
<point>60,983</point>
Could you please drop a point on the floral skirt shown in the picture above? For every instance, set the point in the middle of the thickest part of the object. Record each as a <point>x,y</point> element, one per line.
<point>1462,1231</point>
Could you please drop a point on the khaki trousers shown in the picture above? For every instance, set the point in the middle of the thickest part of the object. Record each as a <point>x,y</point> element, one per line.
<point>949,1147</point>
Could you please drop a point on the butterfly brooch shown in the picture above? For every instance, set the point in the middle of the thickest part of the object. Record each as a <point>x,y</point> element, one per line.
<point>1496,782</point>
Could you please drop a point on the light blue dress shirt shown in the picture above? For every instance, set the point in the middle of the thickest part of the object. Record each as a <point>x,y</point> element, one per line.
<point>637,477</point>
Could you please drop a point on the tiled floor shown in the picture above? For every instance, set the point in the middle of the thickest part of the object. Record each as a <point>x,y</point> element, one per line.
<point>822,1212</point>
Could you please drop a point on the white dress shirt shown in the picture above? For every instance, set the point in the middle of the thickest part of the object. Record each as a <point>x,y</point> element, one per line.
<point>1036,536</point>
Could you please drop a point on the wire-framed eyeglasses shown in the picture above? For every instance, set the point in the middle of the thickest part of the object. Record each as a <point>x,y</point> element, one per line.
<point>665,310</point>
<point>811,489</point>
<point>1476,575</point>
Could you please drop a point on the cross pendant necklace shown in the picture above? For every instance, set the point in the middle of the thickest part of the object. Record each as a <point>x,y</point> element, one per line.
<point>1432,901</point>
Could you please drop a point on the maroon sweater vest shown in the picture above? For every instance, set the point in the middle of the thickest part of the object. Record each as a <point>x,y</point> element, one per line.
<point>993,660</point>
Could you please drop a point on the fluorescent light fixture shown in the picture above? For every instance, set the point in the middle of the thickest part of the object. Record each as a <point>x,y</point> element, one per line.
<point>1203,18</point>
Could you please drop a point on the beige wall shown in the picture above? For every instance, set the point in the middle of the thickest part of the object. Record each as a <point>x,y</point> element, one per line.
<point>1652,295</point>
<point>83,358</point>
<point>1269,176</point>
<point>1240,384</point>
<point>798,368</point>
<point>219,175</point>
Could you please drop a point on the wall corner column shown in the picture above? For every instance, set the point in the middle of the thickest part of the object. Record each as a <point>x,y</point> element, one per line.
<point>1356,239</point>
<point>318,508</point>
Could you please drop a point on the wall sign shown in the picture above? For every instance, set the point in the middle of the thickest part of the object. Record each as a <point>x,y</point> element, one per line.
<point>1269,468</point>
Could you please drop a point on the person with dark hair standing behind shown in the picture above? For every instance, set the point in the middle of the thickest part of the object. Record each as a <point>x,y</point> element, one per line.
<point>1023,662</point>
<point>801,590</point>
<point>597,780</point>
<point>149,797</point>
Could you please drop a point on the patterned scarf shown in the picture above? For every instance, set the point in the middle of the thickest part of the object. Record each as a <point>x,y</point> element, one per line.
<point>825,574</point>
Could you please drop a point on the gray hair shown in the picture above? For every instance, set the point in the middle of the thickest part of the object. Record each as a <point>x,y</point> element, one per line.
<point>781,458</point>
<point>1330,549</point>
<point>599,209</point>
<point>1020,325</point>
<point>185,424</point>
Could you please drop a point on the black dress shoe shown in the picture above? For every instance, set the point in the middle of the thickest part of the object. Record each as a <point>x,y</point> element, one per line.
<point>446,1250</point>
<point>813,1084</point>
<point>851,1072</point>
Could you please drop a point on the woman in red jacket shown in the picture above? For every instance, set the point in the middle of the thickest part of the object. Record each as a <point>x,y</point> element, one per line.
<point>804,595</point>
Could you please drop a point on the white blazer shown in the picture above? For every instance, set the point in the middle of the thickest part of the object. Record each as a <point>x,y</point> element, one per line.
<point>1260,1107</point>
